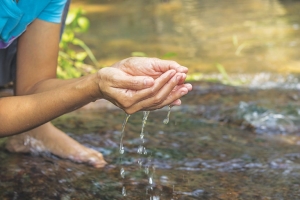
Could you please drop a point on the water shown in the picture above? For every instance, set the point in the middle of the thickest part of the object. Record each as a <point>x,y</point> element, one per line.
<point>248,37</point>
<point>122,134</point>
<point>144,121</point>
<point>207,153</point>
<point>224,143</point>
<point>167,119</point>
<point>124,191</point>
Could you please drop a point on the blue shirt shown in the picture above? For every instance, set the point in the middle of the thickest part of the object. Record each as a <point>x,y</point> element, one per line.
<point>15,17</point>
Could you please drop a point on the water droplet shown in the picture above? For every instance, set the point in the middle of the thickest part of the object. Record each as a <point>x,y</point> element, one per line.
<point>122,134</point>
<point>124,191</point>
<point>145,151</point>
<point>166,120</point>
<point>146,170</point>
<point>122,149</point>
<point>150,180</point>
<point>140,162</point>
<point>122,172</point>
<point>140,149</point>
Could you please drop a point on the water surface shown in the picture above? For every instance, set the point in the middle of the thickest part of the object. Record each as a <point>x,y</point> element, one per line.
<point>223,143</point>
<point>208,150</point>
<point>244,36</point>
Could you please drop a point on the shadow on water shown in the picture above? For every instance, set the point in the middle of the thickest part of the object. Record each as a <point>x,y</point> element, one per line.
<point>223,143</point>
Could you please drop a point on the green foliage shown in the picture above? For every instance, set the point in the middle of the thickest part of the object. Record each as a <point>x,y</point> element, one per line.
<point>73,51</point>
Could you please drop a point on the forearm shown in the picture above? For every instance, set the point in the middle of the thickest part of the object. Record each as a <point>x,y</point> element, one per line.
<point>46,85</point>
<point>21,113</point>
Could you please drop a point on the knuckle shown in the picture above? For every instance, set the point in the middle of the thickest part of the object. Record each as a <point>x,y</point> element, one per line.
<point>134,81</point>
<point>129,60</point>
<point>157,100</point>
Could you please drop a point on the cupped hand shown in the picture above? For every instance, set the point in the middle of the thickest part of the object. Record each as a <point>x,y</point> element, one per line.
<point>143,84</point>
<point>153,67</point>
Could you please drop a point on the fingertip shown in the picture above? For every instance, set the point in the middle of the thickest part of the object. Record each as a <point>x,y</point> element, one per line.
<point>188,86</point>
<point>182,78</point>
<point>176,103</point>
<point>148,81</point>
<point>183,69</point>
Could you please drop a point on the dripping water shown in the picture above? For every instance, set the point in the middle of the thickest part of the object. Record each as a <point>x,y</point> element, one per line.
<point>121,150</point>
<point>124,191</point>
<point>146,114</point>
<point>166,120</point>
<point>122,134</point>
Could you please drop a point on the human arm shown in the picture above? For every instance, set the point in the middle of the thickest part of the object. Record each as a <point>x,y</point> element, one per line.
<point>46,97</point>
<point>37,61</point>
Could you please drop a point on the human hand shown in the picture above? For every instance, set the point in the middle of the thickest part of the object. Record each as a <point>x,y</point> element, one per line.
<point>143,84</point>
<point>153,67</point>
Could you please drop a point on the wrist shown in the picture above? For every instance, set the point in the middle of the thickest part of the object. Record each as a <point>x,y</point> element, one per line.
<point>92,86</point>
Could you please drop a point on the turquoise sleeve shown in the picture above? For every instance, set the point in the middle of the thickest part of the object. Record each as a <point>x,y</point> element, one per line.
<point>53,11</point>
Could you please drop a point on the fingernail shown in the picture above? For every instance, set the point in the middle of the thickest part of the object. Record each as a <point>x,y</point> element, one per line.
<point>147,81</point>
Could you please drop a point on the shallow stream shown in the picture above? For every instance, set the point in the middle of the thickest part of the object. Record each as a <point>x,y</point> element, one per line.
<point>224,142</point>
<point>208,150</point>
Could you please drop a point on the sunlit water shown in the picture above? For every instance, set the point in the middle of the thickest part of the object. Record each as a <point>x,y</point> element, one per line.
<point>223,142</point>
<point>249,37</point>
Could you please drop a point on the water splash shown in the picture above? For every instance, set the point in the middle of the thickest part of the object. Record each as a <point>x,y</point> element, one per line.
<point>122,134</point>
<point>167,119</point>
<point>267,121</point>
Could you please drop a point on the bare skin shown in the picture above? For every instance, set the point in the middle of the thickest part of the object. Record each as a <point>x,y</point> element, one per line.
<point>49,139</point>
<point>37,91</point>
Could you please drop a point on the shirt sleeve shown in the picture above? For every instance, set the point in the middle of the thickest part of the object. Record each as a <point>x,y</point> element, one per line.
<point>53,11</point>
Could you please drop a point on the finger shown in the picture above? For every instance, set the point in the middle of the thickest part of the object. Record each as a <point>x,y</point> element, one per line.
<point>188,86</point>
<point>124,81</point>
<point>150,92</point>
<point>161,98</point>
<point>172,99</point>
<point>165,65</point>
<point>125,98</point>
<point>182,79</point>
<point>176,103</point>
<point>120,79</point>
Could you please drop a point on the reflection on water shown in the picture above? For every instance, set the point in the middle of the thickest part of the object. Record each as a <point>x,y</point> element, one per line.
<point>244,36</point>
